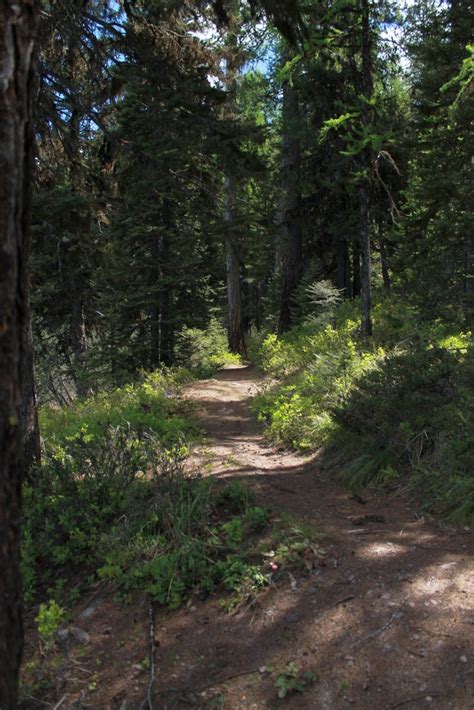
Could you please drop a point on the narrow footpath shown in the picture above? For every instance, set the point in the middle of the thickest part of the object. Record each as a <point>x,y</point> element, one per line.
<point>387,622</point>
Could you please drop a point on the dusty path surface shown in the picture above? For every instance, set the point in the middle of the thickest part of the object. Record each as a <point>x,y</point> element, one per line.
<point>388,622</point>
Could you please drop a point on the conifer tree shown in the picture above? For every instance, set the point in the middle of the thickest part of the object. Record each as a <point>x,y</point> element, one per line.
<point>18,24</point>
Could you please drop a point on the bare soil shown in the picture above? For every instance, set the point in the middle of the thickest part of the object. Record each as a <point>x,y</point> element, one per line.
<point>387,621</point>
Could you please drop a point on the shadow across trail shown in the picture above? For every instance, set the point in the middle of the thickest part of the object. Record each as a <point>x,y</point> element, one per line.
<point>385,621</point>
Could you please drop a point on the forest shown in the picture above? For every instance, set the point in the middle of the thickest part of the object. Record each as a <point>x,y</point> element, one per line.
<point>236,354</point>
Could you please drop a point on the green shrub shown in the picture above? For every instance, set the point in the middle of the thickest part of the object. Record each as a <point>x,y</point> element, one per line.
<point>78,492</point>
<point>235,497</point>
<point>204,351</point>
<point>49,619</point>
<point>399,408</point>
<point>415,413</point>
<point>145,406</point>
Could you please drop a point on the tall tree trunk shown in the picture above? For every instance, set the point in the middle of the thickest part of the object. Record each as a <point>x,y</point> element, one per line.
<point>18,21</point>
<point>468,285</point>
<point>29,410</point>
<point>78,335</point>
<point>166,314</point>
<point>356,267</point>
<point>291,224</point>
<point>78,330</point>
<point>161,316</point>
<point>364,186</point>
<point>387,282</point>
<point>235,325</point>
<point>155,315</point>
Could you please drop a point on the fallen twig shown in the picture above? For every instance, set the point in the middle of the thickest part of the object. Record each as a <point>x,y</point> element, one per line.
<point>415,698</point>
<point>433,632</point>
<point>58,704</point>
<point>364,531</point>
<point>345,599</point>
<point>376,633</point>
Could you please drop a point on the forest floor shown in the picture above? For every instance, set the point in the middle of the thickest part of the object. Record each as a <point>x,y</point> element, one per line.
<point>385,621</point>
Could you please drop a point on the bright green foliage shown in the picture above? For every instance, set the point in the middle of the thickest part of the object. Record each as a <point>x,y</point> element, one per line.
<point>204,351</point>
<point>147,405</point>
<point>49,619</point>
<point>183,541</point>
<point>78,492</point>
<point>114,501</point>
<point>97,454</point>
<point>400,405</point>
<point>319,369</point>
<point>293,679</point>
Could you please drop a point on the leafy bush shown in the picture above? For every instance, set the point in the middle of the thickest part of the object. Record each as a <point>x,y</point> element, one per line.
<point>148,405</point>
<point>400,404</point>
<point>292,679</point>
<point>49,619</point>
<point>415,413</point>
<point>78,492</point>
<point>235,497</point>
<point>204,351</point>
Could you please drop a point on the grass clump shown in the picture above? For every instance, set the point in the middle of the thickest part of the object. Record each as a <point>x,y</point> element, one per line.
<point>399,408</point>
<point>189,539</point>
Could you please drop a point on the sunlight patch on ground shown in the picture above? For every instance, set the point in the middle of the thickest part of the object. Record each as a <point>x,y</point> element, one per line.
<point>381,549</point>
<point>434,579</point>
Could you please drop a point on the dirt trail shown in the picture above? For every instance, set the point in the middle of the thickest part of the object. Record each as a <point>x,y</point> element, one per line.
<point>387,623</point>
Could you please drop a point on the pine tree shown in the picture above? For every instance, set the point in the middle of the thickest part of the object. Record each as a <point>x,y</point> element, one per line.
<point>17,90</point>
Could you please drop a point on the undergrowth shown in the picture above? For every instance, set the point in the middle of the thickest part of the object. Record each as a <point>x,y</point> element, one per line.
<point>204,351</point>
<point>125,511</point>
<point>147,405</point>
<point>100,456</point>
<point>399,408</point>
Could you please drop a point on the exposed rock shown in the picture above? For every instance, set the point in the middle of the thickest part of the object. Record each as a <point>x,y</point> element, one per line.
<point>72,636</point>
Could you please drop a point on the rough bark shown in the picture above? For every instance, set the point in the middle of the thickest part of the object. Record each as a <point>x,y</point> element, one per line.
<point>291,224</point>
<point>72,144</point>
<point>235,322</point>
<point>18,22</point>
<point>155,324</point>
<point>356,267</point>
<point>365,280</point>
<point>166,314</point>
<point>387,282</point>
<point>364,186</point>
<point>29,410</point>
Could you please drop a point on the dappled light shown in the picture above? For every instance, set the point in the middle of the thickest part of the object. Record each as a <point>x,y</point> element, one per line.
<point>381,550</point>
<point>236,355</point>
